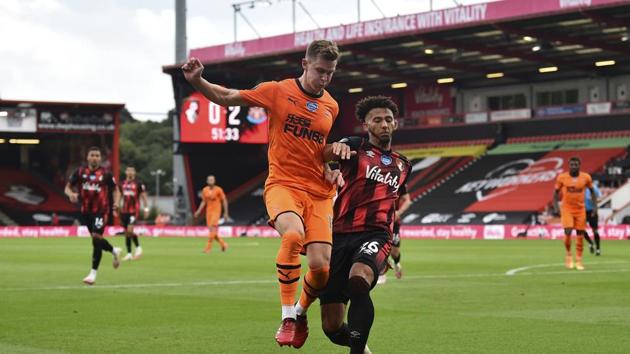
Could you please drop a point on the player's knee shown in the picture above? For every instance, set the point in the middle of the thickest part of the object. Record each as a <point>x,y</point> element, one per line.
<point>358,286</point>
<point>291,237</point>
<point>320,275</point>
<point>289,222</point>
<point>332,318</point>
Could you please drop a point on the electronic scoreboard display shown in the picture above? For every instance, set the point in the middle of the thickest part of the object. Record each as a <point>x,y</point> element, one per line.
<point>202,121</point>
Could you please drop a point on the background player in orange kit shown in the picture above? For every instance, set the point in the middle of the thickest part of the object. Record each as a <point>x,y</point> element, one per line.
<point>297,196</point>
<point>572,186</point>
<point>213,199</point>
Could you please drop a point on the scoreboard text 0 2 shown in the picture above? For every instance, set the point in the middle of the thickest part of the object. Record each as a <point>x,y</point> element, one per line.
<point>202,121</point>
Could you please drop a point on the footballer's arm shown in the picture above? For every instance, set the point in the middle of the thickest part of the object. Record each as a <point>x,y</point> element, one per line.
<point>215,93</point>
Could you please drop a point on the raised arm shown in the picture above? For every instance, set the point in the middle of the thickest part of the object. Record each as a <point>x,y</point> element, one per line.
<point>215,93</point>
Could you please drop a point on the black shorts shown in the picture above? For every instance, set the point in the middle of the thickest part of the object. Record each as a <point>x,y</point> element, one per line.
<point>396,235</point>
<point>592,219</point>
<point>128,219</point>
<point>95,222</point>
<point>371,248</point>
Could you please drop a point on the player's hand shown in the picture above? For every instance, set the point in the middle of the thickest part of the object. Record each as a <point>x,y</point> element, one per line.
<point>196,215</point>
<point>192,69</point>
<point>74,197</point>
<point>342,151</point>
<point>334,177</point>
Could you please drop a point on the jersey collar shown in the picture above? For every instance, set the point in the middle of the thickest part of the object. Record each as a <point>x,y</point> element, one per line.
<point>299,84</point>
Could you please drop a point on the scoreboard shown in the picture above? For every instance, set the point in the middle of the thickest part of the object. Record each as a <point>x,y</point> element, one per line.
<point>202,121</point>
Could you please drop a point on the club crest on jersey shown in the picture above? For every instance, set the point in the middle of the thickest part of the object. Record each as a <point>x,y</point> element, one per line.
<point>311,106</point>
<point>92,177</point>
<point>386,160</point>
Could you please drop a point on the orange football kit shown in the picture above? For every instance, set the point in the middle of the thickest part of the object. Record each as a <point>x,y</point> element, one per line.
<point>299,123</point>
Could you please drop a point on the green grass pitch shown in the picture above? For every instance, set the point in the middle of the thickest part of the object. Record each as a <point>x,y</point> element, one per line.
<point>455,297</point>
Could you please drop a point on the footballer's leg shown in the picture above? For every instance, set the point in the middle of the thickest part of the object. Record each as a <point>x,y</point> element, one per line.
<point>370,258</point>
<point>567,224</point>
<point>125,221</point>
<point>318,245</point>
<point>134,237</point>
<point>285,210</point>
<point>291,229</point>
<point>208,247</point>
<point>580,226</point>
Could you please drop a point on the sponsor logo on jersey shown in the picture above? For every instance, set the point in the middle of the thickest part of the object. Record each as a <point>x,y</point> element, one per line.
<point>300,127</point>
<point>376,174</point>
<point>91,187</point>
<point>370,153</point>
<point>311,106</point>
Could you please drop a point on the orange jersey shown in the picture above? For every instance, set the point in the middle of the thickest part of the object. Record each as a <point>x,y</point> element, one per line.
<point>299,124</point>
<point>213,197</point>
<point>572,189</point>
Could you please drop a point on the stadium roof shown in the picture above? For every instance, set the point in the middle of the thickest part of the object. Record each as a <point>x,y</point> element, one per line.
<point>512,39</point>
<point>86,105</point>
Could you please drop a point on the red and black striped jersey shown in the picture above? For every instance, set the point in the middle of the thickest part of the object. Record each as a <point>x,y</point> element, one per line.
<point>94,187</point>
<point>131,190</point>
<point>374,180</point>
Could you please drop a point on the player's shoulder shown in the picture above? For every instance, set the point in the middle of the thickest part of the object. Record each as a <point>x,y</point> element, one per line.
<point>400,156</point>
<point>585,175</point>
<point>563,175</point>
<point>328,98</point>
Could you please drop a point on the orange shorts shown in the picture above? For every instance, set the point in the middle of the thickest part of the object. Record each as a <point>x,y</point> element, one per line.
<point>316,213</point>
<point>212,219</point>
<point>571,220</point>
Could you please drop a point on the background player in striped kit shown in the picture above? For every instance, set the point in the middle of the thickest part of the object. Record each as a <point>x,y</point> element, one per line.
<point>133,191</point>
<point>95,185</point>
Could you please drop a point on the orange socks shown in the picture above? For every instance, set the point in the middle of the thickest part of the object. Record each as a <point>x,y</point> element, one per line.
<point>314,282</point>
<point>214,235</point>
<point>288,266</point>
<point>567,244</point>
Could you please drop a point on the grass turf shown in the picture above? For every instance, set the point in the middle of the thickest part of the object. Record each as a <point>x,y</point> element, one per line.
<point>454,297</point>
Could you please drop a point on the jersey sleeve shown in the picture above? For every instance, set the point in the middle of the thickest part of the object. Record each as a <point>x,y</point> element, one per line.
<point>559,182</point>
<point>354,142</point>
<point>261,95</point>
<point>111,181</point>
<point>589,181</point>
<point>74,177</point>
<point>403,188</point>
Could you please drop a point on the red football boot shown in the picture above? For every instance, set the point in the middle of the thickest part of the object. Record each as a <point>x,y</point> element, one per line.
<point>284,335</point>
<point>301,332</point>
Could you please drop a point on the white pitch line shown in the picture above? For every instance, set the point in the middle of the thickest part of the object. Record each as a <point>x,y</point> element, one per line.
<point>241,282</point>
<point>146,285</point>
<point>516,270</point>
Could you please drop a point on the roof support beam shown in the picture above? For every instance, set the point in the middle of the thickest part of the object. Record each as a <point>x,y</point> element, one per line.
<point>549,36</point>
<point>478,47</point>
